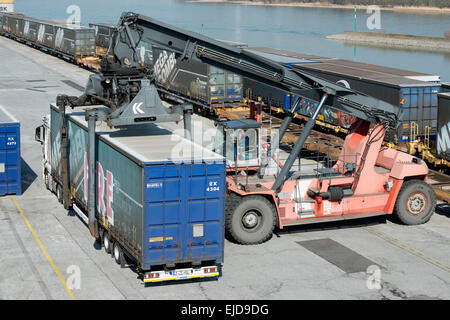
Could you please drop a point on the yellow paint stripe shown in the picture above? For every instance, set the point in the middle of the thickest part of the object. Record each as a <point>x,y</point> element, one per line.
<point>43,249</point>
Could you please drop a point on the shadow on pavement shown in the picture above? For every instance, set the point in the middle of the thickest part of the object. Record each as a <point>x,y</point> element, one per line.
<point>28,175</point>
<point>443,209</point>
<point>334,225</point>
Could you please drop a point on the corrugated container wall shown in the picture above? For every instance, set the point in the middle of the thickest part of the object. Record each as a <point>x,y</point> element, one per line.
<point>162,210</point>
<point>10,161</point>
<point>103,33</point>
<point>13,24</point>
<point>414,92</point>
<point>196,80</point>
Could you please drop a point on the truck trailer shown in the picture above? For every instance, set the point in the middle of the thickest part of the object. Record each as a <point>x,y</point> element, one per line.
<point>160,198</point>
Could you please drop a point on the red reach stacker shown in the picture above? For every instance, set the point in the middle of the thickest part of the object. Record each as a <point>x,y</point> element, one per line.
<point>366,180</point>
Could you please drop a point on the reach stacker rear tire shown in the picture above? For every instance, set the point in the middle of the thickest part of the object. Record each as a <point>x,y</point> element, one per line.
<point>415,203</point>
<point>250,219</point>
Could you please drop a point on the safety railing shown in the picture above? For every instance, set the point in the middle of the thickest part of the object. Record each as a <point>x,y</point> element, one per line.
<point>318,165</point>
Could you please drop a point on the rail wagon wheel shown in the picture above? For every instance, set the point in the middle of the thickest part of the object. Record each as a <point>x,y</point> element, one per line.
<point>250,219</point>
<point>416,203</point>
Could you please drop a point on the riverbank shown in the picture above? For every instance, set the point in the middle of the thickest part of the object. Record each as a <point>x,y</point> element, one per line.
<point>421,10</point>
<point>391,40</point>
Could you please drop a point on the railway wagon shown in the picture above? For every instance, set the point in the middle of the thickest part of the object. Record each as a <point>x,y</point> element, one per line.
<point>74,41</point>
<point>414,92</point>
<point>70,41</point>
<point>103,33</point>
<point>160,199</point>
<point>38,32</point>
<point>12,25</point>
<point>273,97</point>
<point>198,81</point>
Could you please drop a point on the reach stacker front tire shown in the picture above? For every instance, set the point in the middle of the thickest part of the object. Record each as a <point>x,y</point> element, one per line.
<point>250,219</point>
<point>415,203</point>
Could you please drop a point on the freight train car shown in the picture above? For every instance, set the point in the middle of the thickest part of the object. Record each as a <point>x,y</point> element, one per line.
<point>414,92</point>
<point>160,198</point>
<point>12,25</point>
<point>200,82</point>
<point>103,33</point>
<point>71,42</point>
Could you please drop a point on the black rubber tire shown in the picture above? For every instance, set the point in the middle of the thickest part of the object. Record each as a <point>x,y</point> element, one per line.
<point>66,205</point>
<point>416,203</point>
<point>118,253</point>
<point>106,242</point>
<point>59,193</point>
<point>237,207</point>
<point>46,180</point>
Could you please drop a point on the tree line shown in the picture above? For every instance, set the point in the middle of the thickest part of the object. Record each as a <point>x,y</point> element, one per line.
<point>383,3</point>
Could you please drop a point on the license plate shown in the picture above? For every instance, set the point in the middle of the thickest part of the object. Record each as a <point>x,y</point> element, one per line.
<point>183,272</point>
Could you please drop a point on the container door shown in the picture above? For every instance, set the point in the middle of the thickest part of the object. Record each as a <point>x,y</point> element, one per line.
<point>233,87</point>
<point>216,84</point>
<point>164,215</point>
<point>10,177</point>
<point>205,203</point>
<point>184,213</point>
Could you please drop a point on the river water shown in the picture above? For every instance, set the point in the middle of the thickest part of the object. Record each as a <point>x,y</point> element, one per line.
<point>289,28</point>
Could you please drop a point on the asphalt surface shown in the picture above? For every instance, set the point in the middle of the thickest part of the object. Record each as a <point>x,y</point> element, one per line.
<point>47,252</point>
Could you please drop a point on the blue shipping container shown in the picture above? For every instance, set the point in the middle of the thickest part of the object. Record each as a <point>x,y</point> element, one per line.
<point>160,195</point>
<point>10,168</point>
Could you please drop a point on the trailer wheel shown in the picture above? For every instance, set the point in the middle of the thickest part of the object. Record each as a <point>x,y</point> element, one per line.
<point>59,193</point>
<point>250,219</point>
<point>415,203</point>
<point>46,180</point>
<point>106,242</point>
<point>118,254</point>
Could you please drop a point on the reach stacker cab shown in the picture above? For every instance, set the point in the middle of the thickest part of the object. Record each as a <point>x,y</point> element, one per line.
<point>239,141</point>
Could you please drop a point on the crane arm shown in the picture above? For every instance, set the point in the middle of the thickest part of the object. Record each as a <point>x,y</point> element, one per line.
<point>134,28</point>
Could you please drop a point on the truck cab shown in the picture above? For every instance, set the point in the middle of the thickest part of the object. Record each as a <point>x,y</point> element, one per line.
<point>42,135</point>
